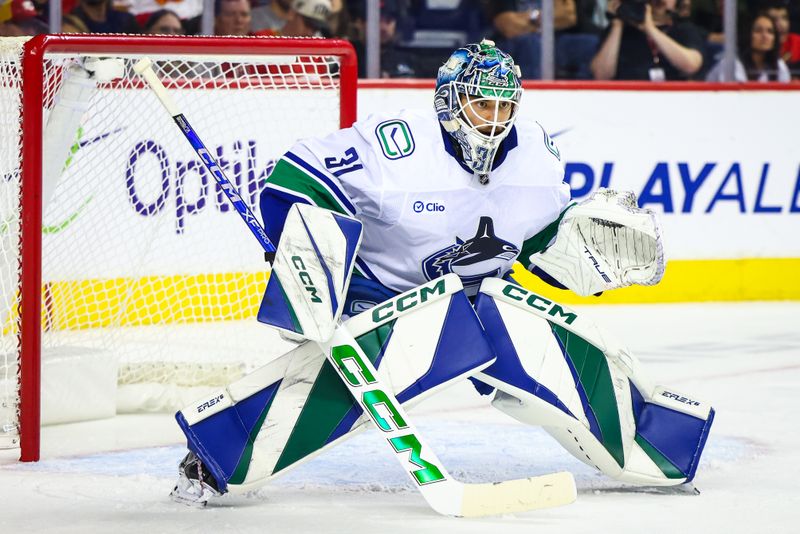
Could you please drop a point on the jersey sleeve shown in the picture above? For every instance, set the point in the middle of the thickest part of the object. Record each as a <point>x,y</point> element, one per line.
<point>553,171</point>
<point>314,171</point>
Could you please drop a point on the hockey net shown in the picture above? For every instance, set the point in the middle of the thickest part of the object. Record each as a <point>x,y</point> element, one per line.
<point>137,272</point>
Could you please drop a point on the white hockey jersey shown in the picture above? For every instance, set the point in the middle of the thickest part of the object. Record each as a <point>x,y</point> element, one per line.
<point>424,213</point>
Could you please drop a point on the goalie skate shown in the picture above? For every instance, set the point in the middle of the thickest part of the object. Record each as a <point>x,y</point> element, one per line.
<point>195,485</point>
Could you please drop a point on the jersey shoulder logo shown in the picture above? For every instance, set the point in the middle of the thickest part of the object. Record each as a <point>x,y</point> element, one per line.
<point>395,138</point>
<point>479,257</point>
<point>549,144</point>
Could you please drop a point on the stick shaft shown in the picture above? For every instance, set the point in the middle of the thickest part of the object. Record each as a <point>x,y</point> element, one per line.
<point>443,493</point>
<point>144,68</point>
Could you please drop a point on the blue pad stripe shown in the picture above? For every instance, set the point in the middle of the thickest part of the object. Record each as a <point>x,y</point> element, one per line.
<point>351,230</point>
<point>221,441</point>
<point>275,308</point>
<point>462,346</point>
<point>326,270</point>
<point>678,437</point>
<point>507,368</point>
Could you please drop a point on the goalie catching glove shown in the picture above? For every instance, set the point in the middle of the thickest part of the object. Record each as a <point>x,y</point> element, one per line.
<point>604,242</point>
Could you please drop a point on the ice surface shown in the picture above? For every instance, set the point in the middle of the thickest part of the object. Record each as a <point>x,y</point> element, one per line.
<point>114,475</point>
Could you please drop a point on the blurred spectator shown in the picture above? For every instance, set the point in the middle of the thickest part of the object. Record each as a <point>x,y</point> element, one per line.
<point>395,63</point>
<point>645,42</point>
<point>19,19</point>
<point>759,54</point>
<point>164,22</point>
<point>308,18</point>
<point>517,24</point>
<point>71,23</point>
<point>232,17</point>
<point>99,17</point>
<point>576,44</point>
<point>592,15</point>
<point>339,19</point>
<point>305,18</point>
<point>708,15</point>
<point>185,10</point>
<point>597,13</point>
<point>271,15</point>
<point>790,42</point>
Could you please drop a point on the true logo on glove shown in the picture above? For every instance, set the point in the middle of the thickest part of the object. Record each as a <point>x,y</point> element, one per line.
<point>596,264</point>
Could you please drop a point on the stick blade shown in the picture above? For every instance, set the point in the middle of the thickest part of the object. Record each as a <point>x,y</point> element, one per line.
<point>522,495</point>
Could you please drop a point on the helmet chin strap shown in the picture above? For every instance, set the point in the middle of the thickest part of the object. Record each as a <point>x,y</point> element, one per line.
<point>481,166</point>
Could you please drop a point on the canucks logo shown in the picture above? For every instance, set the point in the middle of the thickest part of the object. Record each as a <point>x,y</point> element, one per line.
<point>481,256</point>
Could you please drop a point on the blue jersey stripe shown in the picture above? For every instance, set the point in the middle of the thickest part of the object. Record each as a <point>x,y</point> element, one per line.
<point>348,169</point>
<point>324,179</point>
<point>366,271</point>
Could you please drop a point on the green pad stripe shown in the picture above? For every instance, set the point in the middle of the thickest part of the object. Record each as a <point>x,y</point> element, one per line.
<point>669,469</point>
<point>290,177</point>
<point>243,466</point>
<point>595,377</point>
<point>328,403</point>
<point>295,321</point>
<point>372,342</point>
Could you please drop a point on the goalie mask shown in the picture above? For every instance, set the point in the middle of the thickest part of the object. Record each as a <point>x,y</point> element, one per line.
<point>477,97</point>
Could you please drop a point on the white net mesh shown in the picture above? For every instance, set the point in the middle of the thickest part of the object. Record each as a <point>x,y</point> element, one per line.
<point>143,258</point>
<point>10,87</point>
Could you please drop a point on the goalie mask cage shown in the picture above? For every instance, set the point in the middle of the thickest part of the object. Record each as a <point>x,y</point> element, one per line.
<point>121,261</point>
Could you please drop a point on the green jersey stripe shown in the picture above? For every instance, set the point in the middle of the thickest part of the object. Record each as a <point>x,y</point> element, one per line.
<point>287,176</point>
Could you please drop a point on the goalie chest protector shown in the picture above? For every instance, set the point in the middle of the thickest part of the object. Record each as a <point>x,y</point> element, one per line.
<point>424,213</point>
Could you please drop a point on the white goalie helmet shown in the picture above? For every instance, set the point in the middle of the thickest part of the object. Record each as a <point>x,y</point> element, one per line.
<point>477,78</point>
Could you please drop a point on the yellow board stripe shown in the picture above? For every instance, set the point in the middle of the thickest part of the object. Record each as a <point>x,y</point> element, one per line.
<point>149,300</point>
<point>235,296</point>
<point>694,281</point>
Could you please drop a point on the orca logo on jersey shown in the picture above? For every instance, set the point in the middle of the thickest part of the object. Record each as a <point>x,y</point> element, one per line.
<point>395,139</point>
<point>479,257</point>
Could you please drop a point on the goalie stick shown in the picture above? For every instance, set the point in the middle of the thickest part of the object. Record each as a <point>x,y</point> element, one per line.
<point>144,68</point>
<point>443,493</point>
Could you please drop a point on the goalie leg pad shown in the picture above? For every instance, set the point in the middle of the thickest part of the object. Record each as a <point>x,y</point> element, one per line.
<point>296,406</point>
<point>557,369</point>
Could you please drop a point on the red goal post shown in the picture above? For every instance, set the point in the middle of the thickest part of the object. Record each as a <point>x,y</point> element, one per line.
<point>121,142</point>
